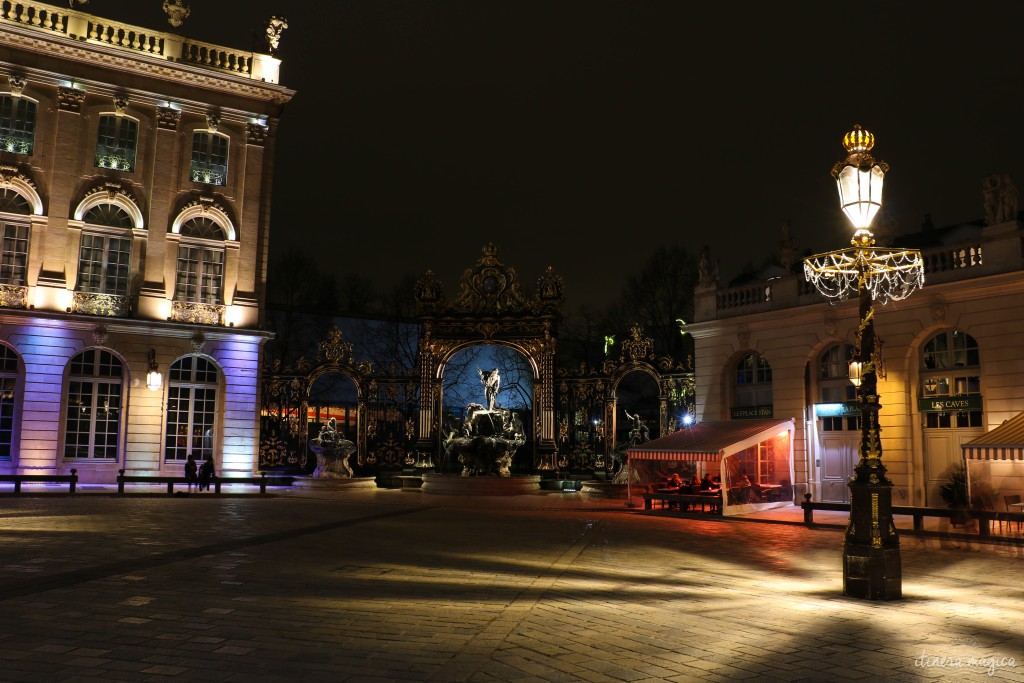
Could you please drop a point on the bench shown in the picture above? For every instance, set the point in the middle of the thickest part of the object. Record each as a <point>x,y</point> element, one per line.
<point>983,517</point>
<point>70,479</point>
<point>216,481</point>
<point>712,503</point>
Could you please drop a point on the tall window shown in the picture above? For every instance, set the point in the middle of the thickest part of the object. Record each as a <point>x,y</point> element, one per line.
<point>753,382</point>
<point>951,377</point>
<point>94,397</point>
<point>200,276</point>
<point>17,124</point>
<point>834,386</point>
<point>8,387</point>
<point>191,408</point>
<point>14,232</point>
<point>116,142</point>
<point>103,264</point>
<point>209,158</point>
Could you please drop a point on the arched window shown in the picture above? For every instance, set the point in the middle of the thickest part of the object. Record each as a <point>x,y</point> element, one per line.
<point>116,142</point>
<point>209,158</point>
<point>17,124</point>
<point>14,234</point>
<point>200,272</point>
<point>191,408</point>
<point>951,381</point>
<point>753,382</point>
<point>835,388</point>
<point>92,426</point>
<point>104,262</point>
<point>8,398</point>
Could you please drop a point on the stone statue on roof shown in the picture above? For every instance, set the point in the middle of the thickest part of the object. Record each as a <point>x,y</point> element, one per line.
<point>274,28</point>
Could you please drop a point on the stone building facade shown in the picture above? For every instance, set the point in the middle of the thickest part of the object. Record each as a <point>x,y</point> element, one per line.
<point>951,352</point>
<point>135,182</point>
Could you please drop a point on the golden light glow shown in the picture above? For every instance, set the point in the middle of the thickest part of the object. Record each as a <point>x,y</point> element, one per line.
<point>856,369</point>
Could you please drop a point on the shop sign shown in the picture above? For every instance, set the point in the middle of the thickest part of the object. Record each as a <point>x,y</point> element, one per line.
<point>752,411</point>
<point>848,409</point>
<point>949,403</point>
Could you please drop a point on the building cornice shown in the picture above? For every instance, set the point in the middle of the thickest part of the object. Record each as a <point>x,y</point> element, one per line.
<point>61,47</point>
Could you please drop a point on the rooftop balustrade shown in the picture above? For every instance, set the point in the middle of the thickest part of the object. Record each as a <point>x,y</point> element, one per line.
<point>98,31</point>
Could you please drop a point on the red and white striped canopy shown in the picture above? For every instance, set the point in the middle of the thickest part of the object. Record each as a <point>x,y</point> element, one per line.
<point>707,441</point>
<point>1005,442</point>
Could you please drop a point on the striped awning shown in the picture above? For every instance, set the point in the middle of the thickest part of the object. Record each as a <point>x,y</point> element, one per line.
<point>708,441</point>
<point>1005,442</point>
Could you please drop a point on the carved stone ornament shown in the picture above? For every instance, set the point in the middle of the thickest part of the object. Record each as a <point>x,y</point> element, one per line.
<point>167,118</point>
<point>70,99</point>
<point>13,296</point>
<point>255,134</point>
<point>831,324</point>
<point>100,334</point>
<point>938,306</point>
<point>212,122</point>
<point>637,347</point>
<point>120,104</point>
<point>18,84</point>
<point>198,342</point>
<point>177,12</point>
<point>743,335</point>
<point>274,28</point>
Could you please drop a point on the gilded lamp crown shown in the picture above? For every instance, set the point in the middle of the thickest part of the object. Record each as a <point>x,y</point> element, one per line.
<point>858,140</point>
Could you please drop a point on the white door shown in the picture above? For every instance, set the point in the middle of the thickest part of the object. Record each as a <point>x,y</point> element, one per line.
<point>838,458</point>
<point>941,452</point>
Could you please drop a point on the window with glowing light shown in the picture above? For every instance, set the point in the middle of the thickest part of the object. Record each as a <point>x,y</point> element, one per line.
<point>14,234</point>
<point>8,399</point>
<point>17,124</point>
<point>753,386</point>
<point>200,272</point>
<point>104,264</point>
<point>834,386</point>
<point>92,426</point>
<point>116,142</point>
<point>191,408</point>
<point>209,158</point>
<point>950,381</point>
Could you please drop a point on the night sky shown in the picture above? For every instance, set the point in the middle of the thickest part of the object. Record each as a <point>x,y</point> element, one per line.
<point>582,134</point>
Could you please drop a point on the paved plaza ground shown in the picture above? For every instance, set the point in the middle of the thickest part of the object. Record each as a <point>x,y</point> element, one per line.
<point>407,586</point>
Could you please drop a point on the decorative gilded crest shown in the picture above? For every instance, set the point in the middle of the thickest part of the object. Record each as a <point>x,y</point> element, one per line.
<point>428,291</point>
<point>550,289</point>
<point>638,347</point>
<point>334,349</point>
<point>490,286</point>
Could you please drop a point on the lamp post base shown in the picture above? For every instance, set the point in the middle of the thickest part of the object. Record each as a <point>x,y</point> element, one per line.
<point>872,573</point>
<point>872,568</point>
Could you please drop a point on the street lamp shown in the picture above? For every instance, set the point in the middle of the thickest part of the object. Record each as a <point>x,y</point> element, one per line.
<point>871,550</point>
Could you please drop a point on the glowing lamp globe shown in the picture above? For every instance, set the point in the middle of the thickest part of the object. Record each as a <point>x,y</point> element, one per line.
<point>860,178</point>
<point>856,372</point>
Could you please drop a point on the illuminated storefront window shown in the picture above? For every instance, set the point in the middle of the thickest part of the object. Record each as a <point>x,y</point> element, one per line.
<point>191,408</point>
<point>950,385</point>
<point>94,397</point>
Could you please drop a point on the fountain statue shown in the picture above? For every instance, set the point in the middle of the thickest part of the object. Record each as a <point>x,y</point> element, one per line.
<point>487,440</point>
<point>332,453</point>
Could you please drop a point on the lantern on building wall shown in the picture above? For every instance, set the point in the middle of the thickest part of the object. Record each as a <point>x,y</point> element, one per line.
<point>154,380</point>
